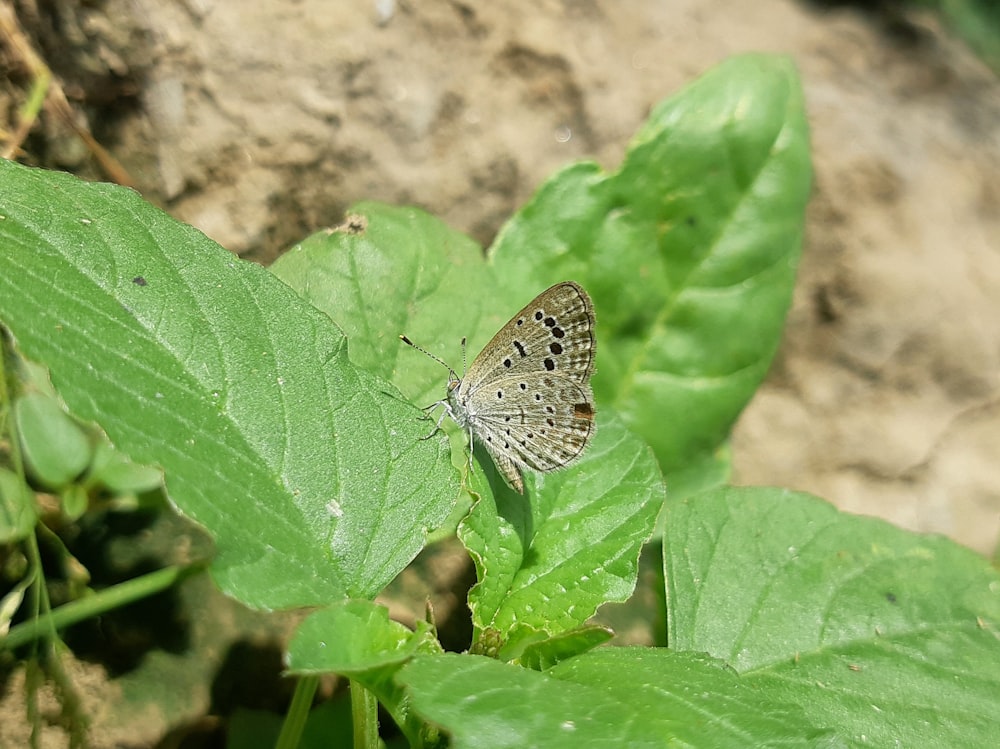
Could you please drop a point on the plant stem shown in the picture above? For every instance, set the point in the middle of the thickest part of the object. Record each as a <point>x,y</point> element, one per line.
<point>364,716</point>
<point>298,713</point>
<point>99,603</point>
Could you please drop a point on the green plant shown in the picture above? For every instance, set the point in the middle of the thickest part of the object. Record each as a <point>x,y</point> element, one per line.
<point>296,444</point>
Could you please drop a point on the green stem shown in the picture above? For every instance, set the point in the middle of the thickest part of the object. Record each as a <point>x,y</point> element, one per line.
<point>364,715</point>
<point>99,603</point>
<point>36,97</point>
<point>74,716</point>
<point>298,713</point>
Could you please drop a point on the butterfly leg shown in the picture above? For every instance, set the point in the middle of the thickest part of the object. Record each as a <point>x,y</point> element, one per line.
<point>437,426</point>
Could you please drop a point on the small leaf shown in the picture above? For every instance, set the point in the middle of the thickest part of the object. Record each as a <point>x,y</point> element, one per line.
<point>553,650</point>
<point>119,475</point>
<point>11,602</point>
<point>352,638</point>
<point>56,449</point>
<point>74,501</point>
<point>358,640</point>
<point>18,511</point>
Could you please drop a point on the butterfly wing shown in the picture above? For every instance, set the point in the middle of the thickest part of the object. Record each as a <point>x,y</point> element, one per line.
<point>539,422</point>
<point>553,333</point>
<point>508,468</point>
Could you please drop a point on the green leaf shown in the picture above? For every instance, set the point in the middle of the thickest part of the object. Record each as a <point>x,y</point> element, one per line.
<point>18,511</point>
<point>547,564</point>
<point>389,271</point>
<point>689,252</point>
<point>118,474</point>
<point>354,638</point>
<point>12,600</point>
<point>404,272</point>
<point>358,640</point>
<point>56,449</point>
<point>628,697</point>
<point>888,636</point>
<point>547,653</point>
<point>75,501</point>
<point>307,471</point>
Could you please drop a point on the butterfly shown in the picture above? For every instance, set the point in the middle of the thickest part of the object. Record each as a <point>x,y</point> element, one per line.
<point>527,398</point>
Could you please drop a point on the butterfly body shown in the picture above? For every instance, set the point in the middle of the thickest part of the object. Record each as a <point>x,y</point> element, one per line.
<point>527,398</point>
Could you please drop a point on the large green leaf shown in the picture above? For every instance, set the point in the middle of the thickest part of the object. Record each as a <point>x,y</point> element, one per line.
<point>307,471</point>
<point>621,697</point>
<point>689,251</point>
<point>888,636</point>
<point>545,566</point>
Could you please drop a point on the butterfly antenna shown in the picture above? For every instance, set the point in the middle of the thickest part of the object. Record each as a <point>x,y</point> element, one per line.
<point>438,359</point>
<point>465,368</point>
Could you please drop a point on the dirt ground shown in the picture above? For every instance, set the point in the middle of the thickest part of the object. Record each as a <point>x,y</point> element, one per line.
<point>261,122</point>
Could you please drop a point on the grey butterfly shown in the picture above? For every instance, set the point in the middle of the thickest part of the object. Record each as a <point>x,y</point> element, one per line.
<point>526,398</point>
